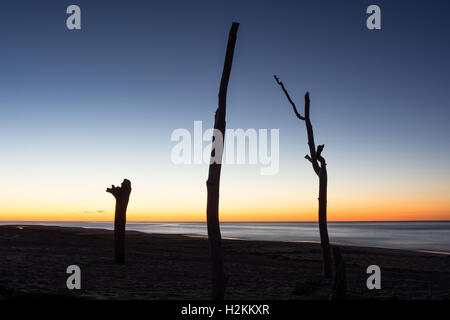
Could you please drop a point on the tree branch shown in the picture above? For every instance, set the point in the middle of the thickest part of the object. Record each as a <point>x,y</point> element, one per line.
<point>113,190</point>
<point>319,150</point>
<point>319,156</point>
<point>312,147</point>
<point>288,97</point>
<point>307,103</point>
<point>310,133</point>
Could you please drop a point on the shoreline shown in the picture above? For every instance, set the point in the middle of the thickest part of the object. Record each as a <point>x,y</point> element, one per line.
<point>339,244</point>
<point>200,235</point>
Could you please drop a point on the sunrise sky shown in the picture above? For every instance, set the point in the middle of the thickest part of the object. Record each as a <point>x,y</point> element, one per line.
<point>81,110</point>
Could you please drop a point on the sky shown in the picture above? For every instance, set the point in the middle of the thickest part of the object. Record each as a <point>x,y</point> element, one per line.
<point>83,109</point>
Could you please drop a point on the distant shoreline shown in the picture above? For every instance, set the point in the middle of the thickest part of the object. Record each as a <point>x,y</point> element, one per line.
<point>314,242</point>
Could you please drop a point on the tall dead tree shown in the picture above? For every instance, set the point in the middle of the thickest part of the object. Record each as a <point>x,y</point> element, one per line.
<point>320,168</point>
<point>122,195</point>
<point>212,207</point>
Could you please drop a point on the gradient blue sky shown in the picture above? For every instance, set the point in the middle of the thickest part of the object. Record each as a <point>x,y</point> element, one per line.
<point>80,110</point>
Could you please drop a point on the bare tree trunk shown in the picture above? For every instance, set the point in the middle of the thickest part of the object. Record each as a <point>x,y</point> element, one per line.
<point>213,182</point>
<point>320,168</point>
<point>340,278</point>
<point>323,229</point>
<point>122,195</point>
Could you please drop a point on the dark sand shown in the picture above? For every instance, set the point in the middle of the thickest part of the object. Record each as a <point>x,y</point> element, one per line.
<point>33,261</point>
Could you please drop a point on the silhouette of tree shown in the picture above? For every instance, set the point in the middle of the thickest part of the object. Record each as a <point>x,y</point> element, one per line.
<point>219,279</point>
<point>122,195</point>
<point>319,166</point>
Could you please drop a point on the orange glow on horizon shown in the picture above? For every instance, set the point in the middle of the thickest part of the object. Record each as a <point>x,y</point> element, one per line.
<point>284,204</point>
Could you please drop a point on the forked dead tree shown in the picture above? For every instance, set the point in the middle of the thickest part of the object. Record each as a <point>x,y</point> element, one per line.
<point>320,168</point>
<point>122,195</point>
<point>212,207</point>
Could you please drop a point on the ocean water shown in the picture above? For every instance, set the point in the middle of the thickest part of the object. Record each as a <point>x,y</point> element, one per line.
<point>412,235</point>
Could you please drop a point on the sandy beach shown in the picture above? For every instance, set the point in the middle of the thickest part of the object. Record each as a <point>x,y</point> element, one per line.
<point>158,266</point>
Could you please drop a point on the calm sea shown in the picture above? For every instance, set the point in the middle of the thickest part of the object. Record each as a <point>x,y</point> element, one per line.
<point>425,236</point>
